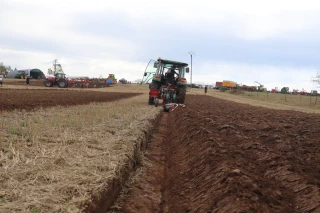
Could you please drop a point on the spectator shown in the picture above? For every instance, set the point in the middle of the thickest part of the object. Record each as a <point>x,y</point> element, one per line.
<point>205,90</point>
<point>28,81</point>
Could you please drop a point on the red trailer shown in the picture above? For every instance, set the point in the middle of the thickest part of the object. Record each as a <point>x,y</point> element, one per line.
<point>218,84</point>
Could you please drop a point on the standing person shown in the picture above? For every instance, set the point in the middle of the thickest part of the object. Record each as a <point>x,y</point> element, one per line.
<point>205,89</point>
<point>1,79</point>
<point>28,81</point>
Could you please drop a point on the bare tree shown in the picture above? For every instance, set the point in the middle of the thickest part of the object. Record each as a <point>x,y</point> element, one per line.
<point>57,68</point>
<point>50,72</point>
<point>4,69</point>
<point>316,79</point>
<point>9,69</point>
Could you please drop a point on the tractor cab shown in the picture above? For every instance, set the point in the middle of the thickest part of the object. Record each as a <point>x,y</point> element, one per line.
<point>170,72</point>
<point>60,76</point>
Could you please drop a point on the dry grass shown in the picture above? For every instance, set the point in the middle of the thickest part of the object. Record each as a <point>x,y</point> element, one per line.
<point>54,159</point>
<point>273,101</point>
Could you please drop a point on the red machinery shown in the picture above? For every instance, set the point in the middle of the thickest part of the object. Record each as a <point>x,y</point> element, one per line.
<point>59,79</point>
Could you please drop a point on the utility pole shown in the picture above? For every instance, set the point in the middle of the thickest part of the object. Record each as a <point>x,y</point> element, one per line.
<point>191,54</point>
<point>55,66</point>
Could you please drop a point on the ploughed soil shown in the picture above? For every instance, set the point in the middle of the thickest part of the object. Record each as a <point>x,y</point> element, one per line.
<point>32,82</point>
<point>31,99</point>
<point>220,156</point>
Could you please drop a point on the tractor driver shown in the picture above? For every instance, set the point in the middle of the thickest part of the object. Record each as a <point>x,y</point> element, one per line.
<point>170,75</point>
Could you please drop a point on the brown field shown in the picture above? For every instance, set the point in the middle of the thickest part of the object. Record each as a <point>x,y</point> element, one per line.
<point>215,155</point>
<point>219,156</point>
<point>18,82</point>
<point>33,99</point>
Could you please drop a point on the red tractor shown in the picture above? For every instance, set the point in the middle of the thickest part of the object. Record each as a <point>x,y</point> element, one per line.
<point>168,82</point>
<point>59,79</point>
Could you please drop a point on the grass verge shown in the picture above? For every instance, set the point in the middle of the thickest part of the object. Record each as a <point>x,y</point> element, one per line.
<point>273,101</point>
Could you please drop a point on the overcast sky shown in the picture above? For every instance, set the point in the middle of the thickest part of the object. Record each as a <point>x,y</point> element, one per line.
<point>274,42</point>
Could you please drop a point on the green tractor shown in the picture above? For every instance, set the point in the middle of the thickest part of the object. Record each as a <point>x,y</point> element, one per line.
<point>285,90</point>
<point>168,81</point>
<point>20,75</point>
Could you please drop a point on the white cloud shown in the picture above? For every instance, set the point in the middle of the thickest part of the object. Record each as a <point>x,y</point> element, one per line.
<point>245,19</point>
<point>21,59</point>
<point>75,67</point>
<point>52,23</point>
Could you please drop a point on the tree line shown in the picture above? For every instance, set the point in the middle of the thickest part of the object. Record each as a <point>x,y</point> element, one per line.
<point>4,70</point>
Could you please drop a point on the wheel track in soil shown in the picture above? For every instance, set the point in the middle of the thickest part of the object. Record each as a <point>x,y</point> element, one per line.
<point>145,194</point>
<point>219,156</point>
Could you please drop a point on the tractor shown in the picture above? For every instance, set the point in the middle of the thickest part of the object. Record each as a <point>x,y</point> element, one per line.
<point>168,82</point>
<point>20,75</point>
<point>59,79</point>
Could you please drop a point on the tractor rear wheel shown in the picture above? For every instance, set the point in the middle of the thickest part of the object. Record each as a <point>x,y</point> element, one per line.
<point>154,85</point>
<point>182,95</point>
<point>48,84</point>
<point>62,84</point>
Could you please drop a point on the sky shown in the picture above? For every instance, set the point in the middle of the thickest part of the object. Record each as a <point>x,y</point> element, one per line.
<point>275,43</point>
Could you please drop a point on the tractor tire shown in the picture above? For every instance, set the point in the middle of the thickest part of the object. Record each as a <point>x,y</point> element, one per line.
<point>48,84</point>
<point>62,84</point>
<point>182,95</point>
<point>154,85</point>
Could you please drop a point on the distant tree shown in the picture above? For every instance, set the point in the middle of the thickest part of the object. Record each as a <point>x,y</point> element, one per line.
<point>8,69</point>
<point>316,79</point>
<point>50,71</point>
<point>56,68</point>
<point>59,69</point>
<point>4,69</point>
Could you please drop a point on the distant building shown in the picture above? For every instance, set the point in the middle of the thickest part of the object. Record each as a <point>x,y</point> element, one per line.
<point>33,73</point>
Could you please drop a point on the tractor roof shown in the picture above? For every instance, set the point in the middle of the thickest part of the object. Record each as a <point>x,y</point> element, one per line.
<point>177,63</point>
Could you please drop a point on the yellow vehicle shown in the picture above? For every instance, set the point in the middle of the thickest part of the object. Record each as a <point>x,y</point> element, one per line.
<point>229,84</point>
